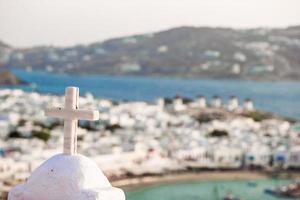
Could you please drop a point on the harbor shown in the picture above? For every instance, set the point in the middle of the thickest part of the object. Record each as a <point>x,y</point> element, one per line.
<point>211,189</point>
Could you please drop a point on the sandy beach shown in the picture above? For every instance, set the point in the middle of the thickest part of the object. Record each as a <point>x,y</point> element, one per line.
<point>139,182</point>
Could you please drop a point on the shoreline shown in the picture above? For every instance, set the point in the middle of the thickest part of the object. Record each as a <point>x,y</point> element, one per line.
<point>159,76</point>
<point>129,184</point>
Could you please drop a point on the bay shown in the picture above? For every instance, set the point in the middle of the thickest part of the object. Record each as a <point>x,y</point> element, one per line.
<point>282,97</point>
<point>209,190</point>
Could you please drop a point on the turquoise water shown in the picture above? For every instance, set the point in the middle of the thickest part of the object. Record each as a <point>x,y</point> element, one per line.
<point>208,190</point>
<point>282,97</point>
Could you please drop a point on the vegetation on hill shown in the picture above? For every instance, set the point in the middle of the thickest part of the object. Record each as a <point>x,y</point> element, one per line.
<point>218,133</point>
<point>257,115</point>
<point>43,134</point>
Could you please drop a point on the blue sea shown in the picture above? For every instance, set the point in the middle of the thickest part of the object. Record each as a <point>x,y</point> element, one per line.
<point>282,97</point>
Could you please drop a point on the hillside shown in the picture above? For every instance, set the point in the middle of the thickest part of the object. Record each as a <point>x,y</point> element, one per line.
<point>5,51</point>
<point>186,51</point>
<point>8,78</point>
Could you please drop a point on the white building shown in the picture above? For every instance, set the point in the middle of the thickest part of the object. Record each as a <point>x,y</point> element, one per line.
<point>179,105</point>
<point>216,102</point>
<point>233,103</point>
<point>258,156</point>
<point>248,105</point>
<point>6,168</point>
<point>294,157</point>
<point>201,101</point>
<point>227,157</point>
<point>280,158</point>
<point>198,157</point>
<point>161,103</point>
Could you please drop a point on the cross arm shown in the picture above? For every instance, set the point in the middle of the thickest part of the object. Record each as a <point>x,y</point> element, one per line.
<point>72,114</point>
<point>91,115</point>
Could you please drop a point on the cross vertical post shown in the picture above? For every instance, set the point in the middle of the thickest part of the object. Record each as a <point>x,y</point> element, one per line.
<point>70,125</point>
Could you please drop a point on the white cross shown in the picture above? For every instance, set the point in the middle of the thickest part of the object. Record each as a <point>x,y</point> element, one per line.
<point>71,114</point>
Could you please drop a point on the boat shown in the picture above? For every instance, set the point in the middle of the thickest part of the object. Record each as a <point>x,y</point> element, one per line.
<point>229,196</point>
<point>252,184</point>
<point>291,190</point>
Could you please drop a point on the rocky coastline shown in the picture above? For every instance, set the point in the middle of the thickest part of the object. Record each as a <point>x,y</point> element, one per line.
<point>8,78</point>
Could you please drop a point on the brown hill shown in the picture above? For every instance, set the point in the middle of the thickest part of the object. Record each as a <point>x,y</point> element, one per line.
<point>8,78</point>
<point>202,52</point>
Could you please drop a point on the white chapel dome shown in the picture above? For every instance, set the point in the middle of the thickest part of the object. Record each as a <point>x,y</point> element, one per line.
<point>67,177</point>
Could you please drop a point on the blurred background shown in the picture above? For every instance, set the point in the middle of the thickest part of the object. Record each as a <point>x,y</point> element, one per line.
<point>198,99</point>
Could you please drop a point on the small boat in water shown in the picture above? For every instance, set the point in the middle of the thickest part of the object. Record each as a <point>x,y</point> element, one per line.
<point>291,190</point>
<point>252,184</point>
<point>229,196</point>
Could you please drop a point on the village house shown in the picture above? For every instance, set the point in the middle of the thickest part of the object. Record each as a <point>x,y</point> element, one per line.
<point>178,104</point>
<point>280,158</point>
<point>248,105</point>
<point>195,157</point>
<point>227,157</point>
<point>201,101</point>
<point>233,103</point>
<point>216,102</point>
<point>294,158</point>
<point>198,103</point>
<point>258,156</point>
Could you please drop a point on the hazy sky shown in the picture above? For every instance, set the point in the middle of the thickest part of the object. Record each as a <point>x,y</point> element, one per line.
<point>70,22</point>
